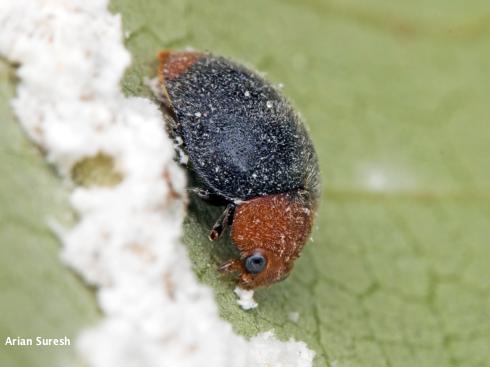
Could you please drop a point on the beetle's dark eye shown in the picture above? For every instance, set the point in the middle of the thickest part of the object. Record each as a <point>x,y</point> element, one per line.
<point>255,263</point>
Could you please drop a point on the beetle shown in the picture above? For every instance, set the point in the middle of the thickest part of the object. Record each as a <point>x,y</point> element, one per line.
<point>250,150</point>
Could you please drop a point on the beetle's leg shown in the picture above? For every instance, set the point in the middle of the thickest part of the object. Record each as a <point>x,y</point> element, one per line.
<point>224,219</point>
<point>231,214</point>
<point>209,196</point>
<point>201,193</point>
<point>231,266</point>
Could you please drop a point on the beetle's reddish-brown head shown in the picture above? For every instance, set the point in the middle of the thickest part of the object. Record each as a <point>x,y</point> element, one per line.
<point>270,232</point>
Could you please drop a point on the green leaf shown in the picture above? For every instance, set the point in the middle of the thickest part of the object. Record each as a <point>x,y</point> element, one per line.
<point>39,296</point>
<point>395,95</point>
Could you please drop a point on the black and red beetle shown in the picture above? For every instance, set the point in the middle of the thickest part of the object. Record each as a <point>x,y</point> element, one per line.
<point>248,148</point>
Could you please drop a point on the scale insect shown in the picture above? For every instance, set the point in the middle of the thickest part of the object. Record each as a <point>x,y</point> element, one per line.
<point>250,150</point>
